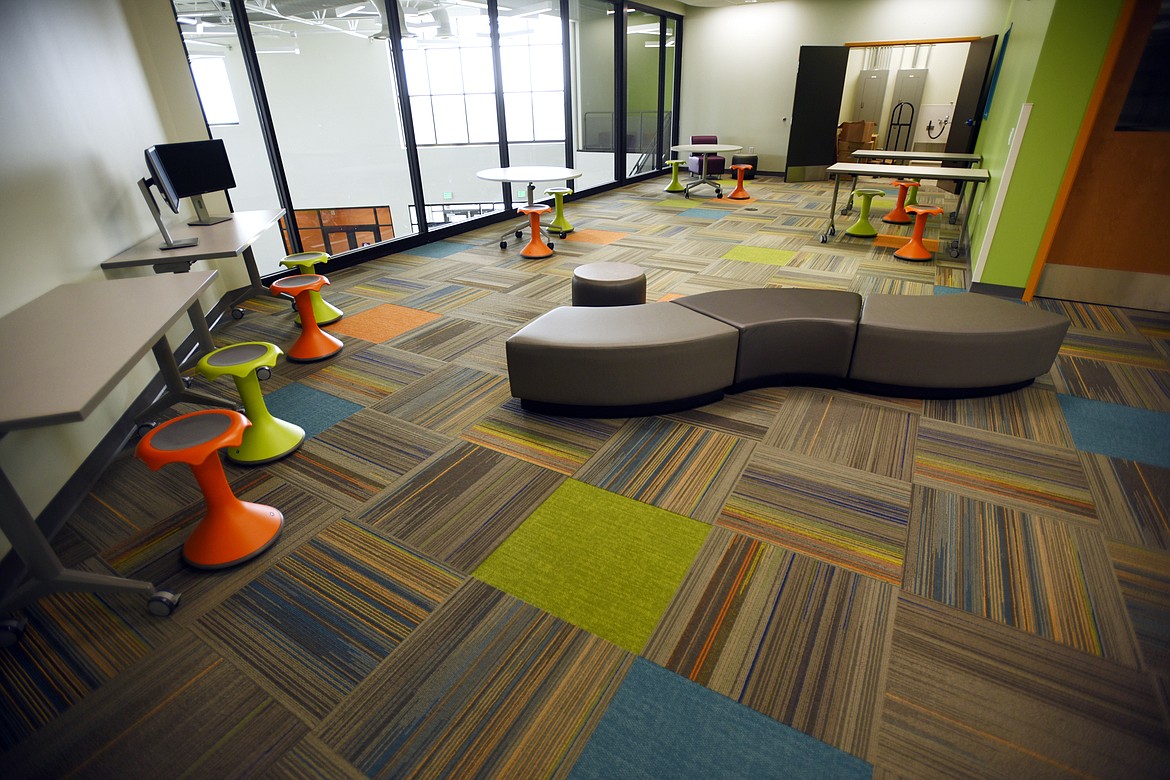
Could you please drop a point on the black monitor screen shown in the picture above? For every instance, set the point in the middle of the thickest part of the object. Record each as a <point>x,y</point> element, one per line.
<point>186,169</point>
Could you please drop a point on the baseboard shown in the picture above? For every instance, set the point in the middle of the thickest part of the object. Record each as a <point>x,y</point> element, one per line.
<point>1111,287</point>
<point>998,290</point>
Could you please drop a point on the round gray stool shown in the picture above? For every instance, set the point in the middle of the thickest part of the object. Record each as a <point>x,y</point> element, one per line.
<point>608,284</point>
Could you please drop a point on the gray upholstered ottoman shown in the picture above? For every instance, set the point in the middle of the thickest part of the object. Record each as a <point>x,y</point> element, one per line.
<point>952,345</point>
<point>608,284</point>
<point>622,360</point>
<point>786,336</point>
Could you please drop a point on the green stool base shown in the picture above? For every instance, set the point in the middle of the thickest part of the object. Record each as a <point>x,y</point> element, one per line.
<point>559,223</point>
<point>912,196</point>
<point>675,185</point>
<point>267,440</point>
<point>863,228</point>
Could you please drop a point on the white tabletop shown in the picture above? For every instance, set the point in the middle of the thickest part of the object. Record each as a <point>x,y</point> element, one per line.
<point>877,154</point>
<point>706,148</point>
<point>63,352</point>
<point>910,171</point>
<point>224,239</point>
<point>529,173</point>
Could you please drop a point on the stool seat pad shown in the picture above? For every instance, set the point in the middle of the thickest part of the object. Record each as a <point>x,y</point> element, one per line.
<point>239,359</point>
<point>299,283</point>
<point>304,259</point>
<point>537,208</point>
<point>608,272</point>
<point>192,438</point>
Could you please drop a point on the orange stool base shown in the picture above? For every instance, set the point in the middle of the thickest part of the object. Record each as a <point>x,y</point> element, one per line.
<point>232,533</point>
<point>915,249</point>
<point>739,193</point>
<point>313,343</point>
<point>536,248</point>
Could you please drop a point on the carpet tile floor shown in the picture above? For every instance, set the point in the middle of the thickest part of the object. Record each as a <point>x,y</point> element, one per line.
<point>790,582</point>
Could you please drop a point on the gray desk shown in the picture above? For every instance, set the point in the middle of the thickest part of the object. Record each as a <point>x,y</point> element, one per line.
<point>973,176</point>
<point>61,354</point>
<point>896,156</point>
<point>225,239</point>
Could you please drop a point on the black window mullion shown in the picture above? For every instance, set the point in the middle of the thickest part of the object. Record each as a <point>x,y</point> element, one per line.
<point>498,71</point>
<point>619,86</point>
<point>407,114</point>
<point>567,70</point>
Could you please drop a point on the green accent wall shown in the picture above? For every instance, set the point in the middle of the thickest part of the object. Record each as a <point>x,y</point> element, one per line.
<point>1052,60</point>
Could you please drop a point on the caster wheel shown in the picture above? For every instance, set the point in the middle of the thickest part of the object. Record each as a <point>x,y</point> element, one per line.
<point>188,381</point>
<point>845,211</point>
<point>718,193</point>
<point>503,245</point>
<point>11,631</point>
<point>264,373</point>
<point>293,306</point>
<point>519,234</point>
<point>145,428</point>
<point>954,250</point>
<point>832,231</point>
<point>550,245</point>
<point>237,314</point>
<point>824,238</point>
<point>564,234</point>
<point>687,195</point>
<point>953,218</point>
<point>162,603</point>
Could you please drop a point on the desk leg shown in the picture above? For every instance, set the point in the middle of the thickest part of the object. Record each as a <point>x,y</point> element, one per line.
<point>256,286</point>
<point>176,390</point>
<point>831,228</point>
<point>960,246</point>
<point>46,572</point>
<point>199,325</point>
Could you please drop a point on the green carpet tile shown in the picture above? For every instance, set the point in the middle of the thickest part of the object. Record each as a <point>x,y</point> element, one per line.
<point>787,582</point>
<point>600,561</point>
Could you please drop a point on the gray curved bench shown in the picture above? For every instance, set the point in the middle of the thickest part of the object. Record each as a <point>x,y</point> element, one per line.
<point>658,357</point>
<point>620,360</point>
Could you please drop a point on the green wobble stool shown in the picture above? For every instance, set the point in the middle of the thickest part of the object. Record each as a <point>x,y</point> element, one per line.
<point>324,311</point>
<point>559,224</point>
<point>267,438</point>
<point>675,185</point>
<point>863,228</point>
<point>912,194</point>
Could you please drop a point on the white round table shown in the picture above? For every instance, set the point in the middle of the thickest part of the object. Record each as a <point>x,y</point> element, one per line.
<point>529,174</point>
<point>705,149</point>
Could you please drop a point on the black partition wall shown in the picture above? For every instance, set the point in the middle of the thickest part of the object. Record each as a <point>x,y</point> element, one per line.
<point>367,122</point>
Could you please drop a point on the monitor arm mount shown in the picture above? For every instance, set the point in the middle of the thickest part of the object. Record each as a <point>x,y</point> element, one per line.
<point>168,241</point>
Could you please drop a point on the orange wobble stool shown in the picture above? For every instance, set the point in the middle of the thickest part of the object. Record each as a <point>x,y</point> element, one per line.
<point>898,215</point>
<point>313,343</point>
<point>232,531</point>
<point>914,249</point>
<point>536,248</point>
<point>739,193</point>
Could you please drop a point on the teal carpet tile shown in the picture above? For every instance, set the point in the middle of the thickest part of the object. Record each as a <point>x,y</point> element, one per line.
<point>1118,431</point>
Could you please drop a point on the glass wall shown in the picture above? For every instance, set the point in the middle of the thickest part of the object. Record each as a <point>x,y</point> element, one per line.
<point>314,119</point>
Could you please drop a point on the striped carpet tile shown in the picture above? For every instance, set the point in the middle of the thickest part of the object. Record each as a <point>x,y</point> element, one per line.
<point>673,466</point>
<point>966,697</point>
<point>1004,470</point>
<point>1112,382</point>
<point>812,280</point>
<point>447,338</point>
<point>835,514</point>
<point>183,712</point>
<point>388,288</point>
<point>561,444</point>
<point>1130,350</point>
<point>1144,576</point>
<point>1031,413</point>
<point>502,310</point>
<point>370,375</point>
<point>847,430</point>
<point>487,687</point>
<point>1133,500</point>
<point>768,627</point>
<point>1043,576</point>
<point>813,260</point>
<point>352,461</point>
<point>747,415</point>
<point>1154,325</point>
<point>447,400</point>
<point>311,759</point>
<point>495,279</point>
<point>72,644</point>
<point>458,506</point>
<point>314,625</point>
<point>1089,316</point>
<point>745,273</point>
<point>443,298</point>
<point>556,290</point>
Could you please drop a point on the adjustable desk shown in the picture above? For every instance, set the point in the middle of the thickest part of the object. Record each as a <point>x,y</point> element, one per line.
<point>974,176</point>
<point>897,156</point>
<point>61,355</point>
<point>225,239</point>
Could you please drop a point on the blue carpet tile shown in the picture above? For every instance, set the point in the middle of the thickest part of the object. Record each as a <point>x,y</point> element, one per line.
<point>662,725</point>
<point>311,409</point>
<point>1118,431</point>
<point>703,213</point>
<point>437,249</point>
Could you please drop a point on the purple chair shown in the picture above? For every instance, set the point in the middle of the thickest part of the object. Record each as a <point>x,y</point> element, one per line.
<point>715,162</point>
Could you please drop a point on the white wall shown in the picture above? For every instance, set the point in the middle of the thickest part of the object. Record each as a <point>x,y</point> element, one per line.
<point>79,109</point>
<point>739,62</point>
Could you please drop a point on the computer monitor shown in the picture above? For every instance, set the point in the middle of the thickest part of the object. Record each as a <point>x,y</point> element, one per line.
<point>189,170</point>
